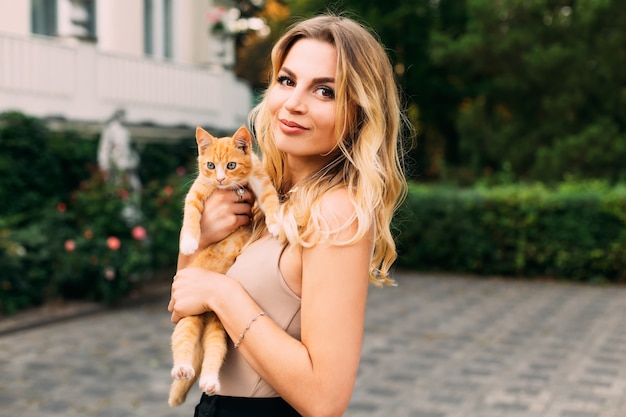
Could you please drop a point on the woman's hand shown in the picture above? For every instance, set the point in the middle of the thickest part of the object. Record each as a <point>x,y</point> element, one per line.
<point>224,212</point>
<point>192,292</point>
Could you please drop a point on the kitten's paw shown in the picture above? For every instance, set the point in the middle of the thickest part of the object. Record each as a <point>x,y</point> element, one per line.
<point>210,384</point>
<point>188,244</point>
<point>274,229</point>
<point>183,371</point>
<point>273,221</point>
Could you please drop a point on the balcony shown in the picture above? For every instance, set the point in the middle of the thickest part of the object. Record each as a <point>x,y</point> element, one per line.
<point>74,85</point>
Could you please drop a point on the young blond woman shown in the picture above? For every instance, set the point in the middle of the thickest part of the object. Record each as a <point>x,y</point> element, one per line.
<point>329,127</point>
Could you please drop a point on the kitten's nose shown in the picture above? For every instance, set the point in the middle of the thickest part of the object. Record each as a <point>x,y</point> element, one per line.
<point>220,180</point>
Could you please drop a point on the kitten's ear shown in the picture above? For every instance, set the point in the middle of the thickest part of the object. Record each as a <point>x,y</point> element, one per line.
<point>203,138</point>
<point>242,139</point>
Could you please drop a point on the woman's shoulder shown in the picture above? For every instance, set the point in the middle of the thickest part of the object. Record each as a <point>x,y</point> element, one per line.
<point>337,207</point>
<point>339,199</point>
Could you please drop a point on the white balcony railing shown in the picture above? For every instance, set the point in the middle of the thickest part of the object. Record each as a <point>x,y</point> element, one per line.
<point>77,83</point>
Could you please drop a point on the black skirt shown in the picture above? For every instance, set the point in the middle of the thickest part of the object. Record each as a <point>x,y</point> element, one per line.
<point>222,406</point>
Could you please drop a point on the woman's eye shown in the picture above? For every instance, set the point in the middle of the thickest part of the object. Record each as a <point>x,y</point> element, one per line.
<point>284,80</point>
<point>326,92</point>
<point>231,165</point>
<point>210,165</point>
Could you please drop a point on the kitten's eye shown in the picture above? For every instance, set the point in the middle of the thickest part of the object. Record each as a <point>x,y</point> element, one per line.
<point>231,165</point>
<point>210,165</point>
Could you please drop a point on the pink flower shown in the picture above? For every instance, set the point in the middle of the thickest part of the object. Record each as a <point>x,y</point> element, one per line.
<point>61,207</point>
<point>113,243</point>
<point>70,245</point>
<point>109,273</point>
<point>215,15</point>
<point>139,233</point>
<point>180,171</point>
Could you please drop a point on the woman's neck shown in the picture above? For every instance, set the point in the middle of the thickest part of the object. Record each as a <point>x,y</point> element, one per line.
<point>297,169</point>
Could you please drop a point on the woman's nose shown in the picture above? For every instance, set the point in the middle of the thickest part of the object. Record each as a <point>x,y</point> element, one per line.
<point>295,102</point>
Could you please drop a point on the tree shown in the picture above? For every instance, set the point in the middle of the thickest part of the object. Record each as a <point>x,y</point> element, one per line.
<point>253,58</point>
<point>536,87</point>
<point>405,28</point>
<point>544,91</point>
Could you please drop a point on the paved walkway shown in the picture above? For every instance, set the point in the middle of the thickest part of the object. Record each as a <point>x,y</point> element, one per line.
<point>435,346</point>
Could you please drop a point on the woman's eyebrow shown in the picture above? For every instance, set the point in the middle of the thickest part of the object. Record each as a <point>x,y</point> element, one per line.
<point>319,80</point>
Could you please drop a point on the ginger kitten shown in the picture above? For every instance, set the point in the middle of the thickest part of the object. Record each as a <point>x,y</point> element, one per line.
<point>199,342</point>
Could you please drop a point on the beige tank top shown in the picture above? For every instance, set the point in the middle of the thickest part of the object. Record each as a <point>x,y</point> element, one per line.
<point>257,270</point>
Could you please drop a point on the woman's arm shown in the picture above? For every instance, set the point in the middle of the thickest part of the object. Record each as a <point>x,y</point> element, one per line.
<point>315,375</point>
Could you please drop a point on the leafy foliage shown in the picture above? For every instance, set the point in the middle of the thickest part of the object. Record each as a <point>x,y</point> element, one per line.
<point>534,85</point>
<point>31,166</point>
<point>62,235</point>
<point>542,88</point>
<point>576,231</point>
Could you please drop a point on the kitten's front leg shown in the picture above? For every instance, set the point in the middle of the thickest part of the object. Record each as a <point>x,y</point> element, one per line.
<point>267,198</point>
<point>273,213</point>
<point>190,231</point>
<point>273,223</point>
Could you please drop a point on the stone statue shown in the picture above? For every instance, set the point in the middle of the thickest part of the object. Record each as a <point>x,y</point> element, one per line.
<point>119,162</point>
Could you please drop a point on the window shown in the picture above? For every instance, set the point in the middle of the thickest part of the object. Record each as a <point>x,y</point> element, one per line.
<point>147,27</point>
<point>43,17</point>
<point>90,23</point>
<point>167,29</point>
<point>157,15</point>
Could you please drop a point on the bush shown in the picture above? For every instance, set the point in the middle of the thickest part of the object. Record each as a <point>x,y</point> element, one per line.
<point>104,253</point>
<point>574,231</point>
<point>24,257</point>
<point>36,165</point>
<point>69,240</point>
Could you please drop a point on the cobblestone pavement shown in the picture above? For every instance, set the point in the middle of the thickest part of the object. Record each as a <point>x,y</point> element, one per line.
<point>435,346</point>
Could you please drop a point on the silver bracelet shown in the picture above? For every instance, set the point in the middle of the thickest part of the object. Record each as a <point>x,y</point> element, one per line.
<point>245,329</point>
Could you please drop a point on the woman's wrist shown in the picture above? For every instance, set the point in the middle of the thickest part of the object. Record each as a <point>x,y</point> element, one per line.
<point>223,293</point>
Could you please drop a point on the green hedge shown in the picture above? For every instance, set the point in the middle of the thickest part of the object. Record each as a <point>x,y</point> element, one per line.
<point>574,231</point>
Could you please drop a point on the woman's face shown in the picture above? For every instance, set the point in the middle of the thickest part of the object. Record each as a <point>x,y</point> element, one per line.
<point>302,104</point>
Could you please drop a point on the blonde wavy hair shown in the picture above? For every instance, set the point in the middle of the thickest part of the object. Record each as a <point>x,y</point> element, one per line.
<point>368,161</point>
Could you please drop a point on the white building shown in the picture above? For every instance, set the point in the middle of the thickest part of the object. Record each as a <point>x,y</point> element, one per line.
<point>74,62</point>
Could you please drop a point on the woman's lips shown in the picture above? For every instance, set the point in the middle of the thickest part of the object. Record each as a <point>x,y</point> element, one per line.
<point>288,126</point>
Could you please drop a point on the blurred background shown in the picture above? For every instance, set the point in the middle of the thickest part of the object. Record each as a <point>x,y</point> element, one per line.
<point>516,166</point>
